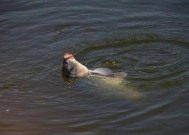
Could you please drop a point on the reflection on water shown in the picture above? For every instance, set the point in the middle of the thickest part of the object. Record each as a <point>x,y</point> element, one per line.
<point>147,40</point>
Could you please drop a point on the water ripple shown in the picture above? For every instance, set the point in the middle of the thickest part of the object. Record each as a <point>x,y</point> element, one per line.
<point>144,59</point>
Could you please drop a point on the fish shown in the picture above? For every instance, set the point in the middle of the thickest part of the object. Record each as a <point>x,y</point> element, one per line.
<point>103,78</point>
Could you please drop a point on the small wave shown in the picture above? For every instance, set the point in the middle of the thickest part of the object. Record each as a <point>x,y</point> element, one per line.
<point>148,59</point>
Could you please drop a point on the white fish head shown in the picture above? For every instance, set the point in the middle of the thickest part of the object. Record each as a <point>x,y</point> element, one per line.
<point>72,68</point>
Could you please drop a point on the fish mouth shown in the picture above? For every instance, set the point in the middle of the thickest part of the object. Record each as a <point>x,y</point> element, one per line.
<point>68,55</point>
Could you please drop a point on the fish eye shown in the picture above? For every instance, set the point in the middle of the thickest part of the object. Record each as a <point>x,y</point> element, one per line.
<point>71,68</point>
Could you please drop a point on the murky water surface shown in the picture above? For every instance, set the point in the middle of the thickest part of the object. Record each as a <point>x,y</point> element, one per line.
<point>146,39</point>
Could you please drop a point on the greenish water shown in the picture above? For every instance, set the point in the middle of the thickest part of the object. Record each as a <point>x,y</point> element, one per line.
<point>146,39</point>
